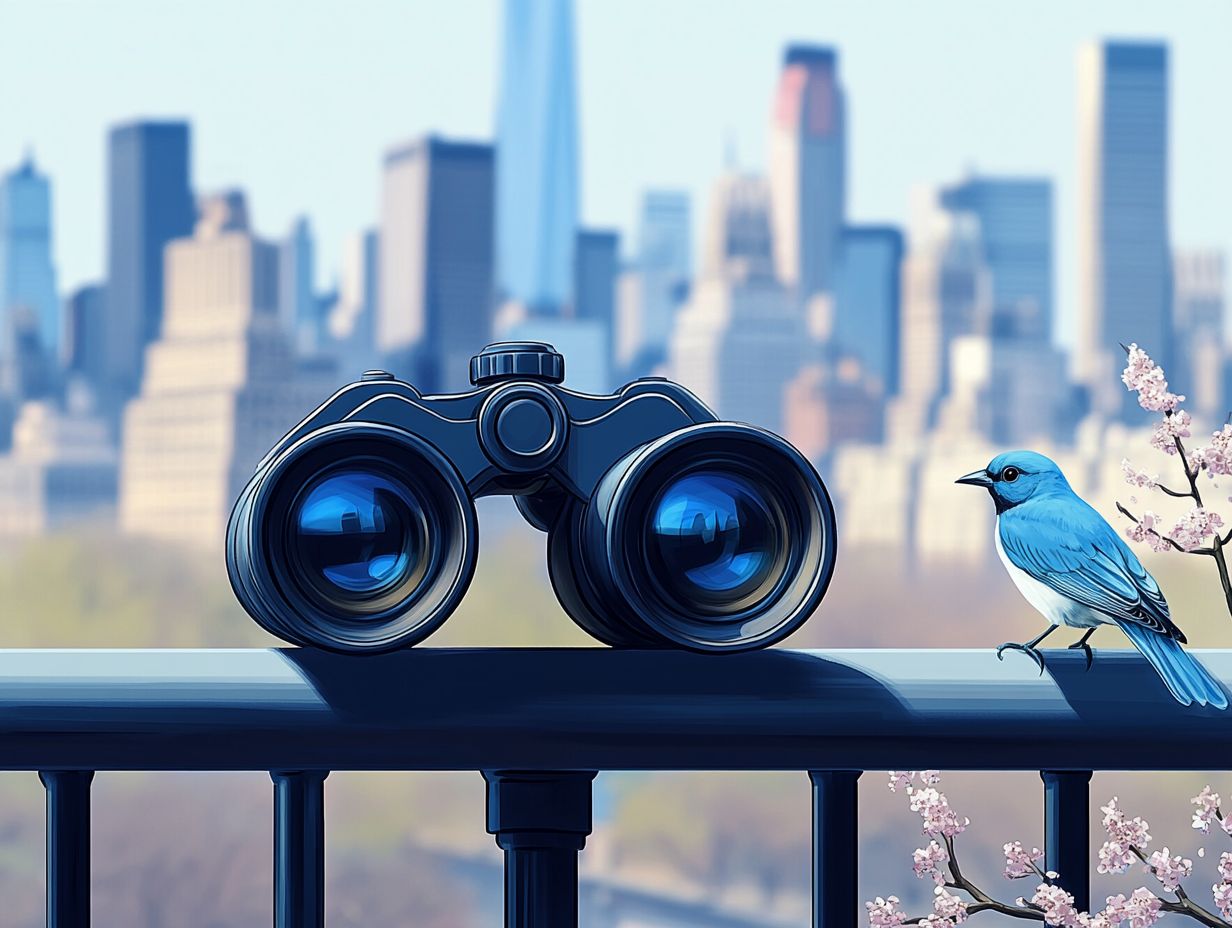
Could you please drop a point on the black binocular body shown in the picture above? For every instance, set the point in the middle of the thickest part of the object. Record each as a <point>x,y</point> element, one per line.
<point>666,527</point>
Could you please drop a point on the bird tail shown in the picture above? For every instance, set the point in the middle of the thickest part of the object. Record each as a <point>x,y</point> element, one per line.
<point>1184,676</point>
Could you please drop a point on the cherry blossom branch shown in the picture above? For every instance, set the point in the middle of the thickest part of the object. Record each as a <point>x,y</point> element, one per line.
<point>1144,377</point>
<point>1127,844</point>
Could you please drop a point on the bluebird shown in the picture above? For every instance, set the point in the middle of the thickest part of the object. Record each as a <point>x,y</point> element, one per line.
<point>1073,567</point>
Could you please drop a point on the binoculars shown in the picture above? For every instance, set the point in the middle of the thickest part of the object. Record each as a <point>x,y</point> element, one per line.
<point>665,527</point>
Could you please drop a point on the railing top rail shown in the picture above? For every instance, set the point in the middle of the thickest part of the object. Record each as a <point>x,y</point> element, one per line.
<point>427,709</point>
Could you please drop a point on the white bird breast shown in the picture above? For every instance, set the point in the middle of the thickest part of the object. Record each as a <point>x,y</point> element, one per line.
<point>1056,607</point>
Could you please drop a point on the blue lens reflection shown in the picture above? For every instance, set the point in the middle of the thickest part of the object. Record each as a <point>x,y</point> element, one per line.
<point>358,531</point>
<point>713,538</point>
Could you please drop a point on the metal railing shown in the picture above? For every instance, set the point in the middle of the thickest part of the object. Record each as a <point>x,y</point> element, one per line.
<point>540,723</point>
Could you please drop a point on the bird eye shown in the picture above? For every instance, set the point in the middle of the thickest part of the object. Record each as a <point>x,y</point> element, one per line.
<point>1010,474</point>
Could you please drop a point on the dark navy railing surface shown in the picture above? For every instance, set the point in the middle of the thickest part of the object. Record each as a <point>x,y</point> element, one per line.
<point>540,723</point>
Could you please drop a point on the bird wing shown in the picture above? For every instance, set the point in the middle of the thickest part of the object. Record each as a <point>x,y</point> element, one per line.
<point>1067,545</point>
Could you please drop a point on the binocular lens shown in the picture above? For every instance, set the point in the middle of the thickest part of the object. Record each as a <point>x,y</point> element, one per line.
<point>715,540</point>
<point>357,536</point>
<point>716,537</point>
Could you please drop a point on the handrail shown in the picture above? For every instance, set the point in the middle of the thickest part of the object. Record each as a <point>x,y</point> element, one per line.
<point>539,723</point>
<point>596,709</point>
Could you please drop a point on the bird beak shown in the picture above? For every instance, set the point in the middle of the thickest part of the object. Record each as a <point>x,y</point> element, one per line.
<point>977,478</point>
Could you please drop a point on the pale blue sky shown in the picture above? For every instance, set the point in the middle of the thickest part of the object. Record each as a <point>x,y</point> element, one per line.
<point>296,101</point>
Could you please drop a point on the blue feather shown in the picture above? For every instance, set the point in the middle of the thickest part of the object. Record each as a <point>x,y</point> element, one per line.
<point>1185,677</point>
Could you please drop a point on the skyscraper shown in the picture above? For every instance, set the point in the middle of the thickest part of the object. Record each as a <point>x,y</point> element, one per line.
<point>27,274</point>
<point>297,298</point>
<point>435,304</point>
<point>1124,255</point>
<point>149,203</point>
<point>219,387</point>
<point>83,334</point>
<point>1015,223</point>
<point>654,287</point>
<point>868,301</point>
<point>596,264</point>
<point>353,317</point>
<point>537,167</point>
<point>1201,354</point>
<point>808,168</point>
<point>740,338</point>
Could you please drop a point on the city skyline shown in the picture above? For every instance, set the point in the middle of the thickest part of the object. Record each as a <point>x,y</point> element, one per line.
<point>720,94</point>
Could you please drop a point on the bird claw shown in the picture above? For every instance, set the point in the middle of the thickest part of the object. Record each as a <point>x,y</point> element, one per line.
<point>1026,649</point>
<point>1086,648</point>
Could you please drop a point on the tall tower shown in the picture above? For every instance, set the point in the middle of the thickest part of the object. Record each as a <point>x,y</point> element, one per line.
<point>1125,261</point>
<point>297,298</point>
<point>740,338</point>
<point>537,167</point>
<point>149,203</point>
<point>435,300</point>
<point>808,169</point>
<point>219,386</point>
<point>1015,228</point>
<point>27,275</point>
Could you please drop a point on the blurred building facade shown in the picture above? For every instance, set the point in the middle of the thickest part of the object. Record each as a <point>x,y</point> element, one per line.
<point>652,288</point>
<point>59,473</point>
<point>298,309</point>
<point>1123,234</point>
<point>352,319</point>
<point>149,203</point>
<point>868,302</point>
<point>740,338</point>
<point>219,386</point>
<point>435,305</point>
<point>1201,362</point>
<point>27,271</point>
<point>537,171</point>
<point>808,169</point>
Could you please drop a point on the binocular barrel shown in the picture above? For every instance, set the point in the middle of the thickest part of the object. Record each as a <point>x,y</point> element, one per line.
<point>666,528</point>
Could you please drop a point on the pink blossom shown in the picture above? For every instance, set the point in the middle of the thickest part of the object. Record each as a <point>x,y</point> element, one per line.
<point>1208,809</point>
<point>1225,867</point>
<point>1194,527</point>
<point>935,921</point>
<point>949,906</point>
<point>1114,857</point>
<point>1133,831</point>
<point>928,861</point>
<point>1169,870</point>
<point>1147,529</point>
<point>934,808</point>
<point>1056,904</point>
<point>930,777</point>
<point>1137,478</point>
<point>901,779</point>
<point>1216,458</point>
<point>1018,863</point>
<point>1141,909</point>
<point>1144,376</point>
<point>1222,893</point>
<point>884,913</point>
<point>1169,429</point>
<point>1098,920</point>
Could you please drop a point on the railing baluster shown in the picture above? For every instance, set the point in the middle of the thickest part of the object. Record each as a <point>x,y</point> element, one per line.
<point>299,848</point>
<point>541,820</point>
<point>68,847</point>
<point>1067,831</point>
<point>836,843</point>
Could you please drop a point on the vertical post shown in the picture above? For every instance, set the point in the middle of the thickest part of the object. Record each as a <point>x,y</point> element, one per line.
<point>541,821</point>
<point>68,847</point>
<point>299,848</point>
<point>836,844</point>
<point>1067,832</point>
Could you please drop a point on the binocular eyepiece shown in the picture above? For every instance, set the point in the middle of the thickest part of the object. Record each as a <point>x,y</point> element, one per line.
<point>666,527</point>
